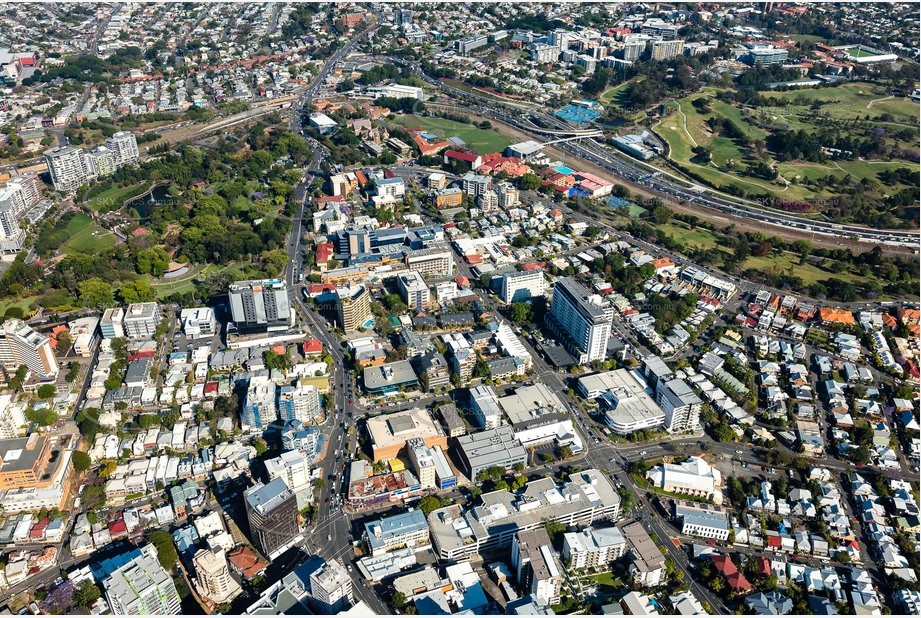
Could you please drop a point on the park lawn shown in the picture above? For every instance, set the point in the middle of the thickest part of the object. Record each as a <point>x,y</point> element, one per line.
<point>85,236</point>
<point>699,237</point>
<point>22,302</point>
<point>186,283</point>
<point>484,141</point>
<point>898,107</point>
<point>607,579</point>
<point>787,262</point>
<point>111,199</point>
<point>851,100</point>
<point>612,96</point>
<point>734,114</point>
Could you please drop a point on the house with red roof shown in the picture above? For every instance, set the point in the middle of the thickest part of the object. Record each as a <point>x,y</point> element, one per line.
<point>427,148</point>
<point>328,199</point>
<point>245,562</point>
<point>736,580</point>
<point>312,347</point>
<point>474,160</point>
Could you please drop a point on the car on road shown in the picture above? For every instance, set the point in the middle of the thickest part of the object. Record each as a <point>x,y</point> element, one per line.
<point>327,501</point>
<point>738,452</point>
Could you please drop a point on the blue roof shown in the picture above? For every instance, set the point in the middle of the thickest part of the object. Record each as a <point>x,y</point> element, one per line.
<point>428,136</point>
<point>389,181</point>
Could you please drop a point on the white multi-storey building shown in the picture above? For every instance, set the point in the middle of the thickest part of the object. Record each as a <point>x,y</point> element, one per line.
<point>125,148</point>
<point>20,345</point>
<point>142,587</point>
<point>485,406</point>
<point>681,405</point>
<point>331,588</point>
<point>198,322</point>
<point>581,320</point>
<point>593,547</point>
<point>141,320</point>
<point>522,285</point>
<point>414,289</point>
<point>68,168</point>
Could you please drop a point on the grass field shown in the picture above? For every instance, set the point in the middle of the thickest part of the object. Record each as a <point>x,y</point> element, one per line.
<point>790,263</point>
<point>483,141</point>
<point>856,52</point>
<point>851,100</point>
<point>111,199</point>
<point>696,237</point>
<point>186,284</point>
<point>22,303</point>
<point>86,236</point>
<point>612,96</point>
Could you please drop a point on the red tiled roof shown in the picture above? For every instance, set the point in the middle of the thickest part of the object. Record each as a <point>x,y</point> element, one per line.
<point>246,562</point>
<point>463,156</point>
<point>312,346</point>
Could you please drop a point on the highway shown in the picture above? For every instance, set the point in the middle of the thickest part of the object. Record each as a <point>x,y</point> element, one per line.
<point>539,125</point>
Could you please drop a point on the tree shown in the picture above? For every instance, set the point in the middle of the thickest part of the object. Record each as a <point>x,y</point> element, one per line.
<point>429,504</point>
<point>260,446</point>
<point>554,528</point>
<point>398,600</point>
<point>42,418</point>
<point>108,468</point>
<point>96,293</point>
<point>520,313</point>
<point>566,452</point>
<point>166,550</point>
<point>138,291</point>
<point>19,377</point>
<point>843,557</point>
<point>319,484</point>
<point>661,214</point>
<point>87,594</point>
<point>64,341</point>
<point>529,182</point>
<point>46,391</point>
<point>81,461</point>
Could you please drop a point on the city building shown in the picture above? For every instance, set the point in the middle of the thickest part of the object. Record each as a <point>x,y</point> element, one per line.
<point>293,467</point>
<point>83,331</point>
<point>765,55</point>
<point>593,547</point>
<point>353,307</point>
<point>508,196</point>
<point>101,161</point>
<point>694,477</point>
<point>522,285</point>
<point>423,460</point>
<point>272,512</point>
<point>68,168</point>
<point>538,416</point>
<point>647,562</point>
<point>330,588</point>
<point>36,471</point>
<point>141,320</point>
<point>434,367</point>
<point>701,520</point>
<point>537,567</point>
<point>484,403</point>
<point>681,406</point>
<point>430,262</point>
<point>459,533</point>
<point>125,148</point>
<point>582,321</point>
<point>198,322</point>
<point>142,588</point>
<point>627,403</point>
<point>213,575</point>
<point>301,403</point>
<point>259,404</point>
<point>497,447</point>
<point>111,324</point>
<point>414,290</point>
<point>405,530</point>
<point>664,50</point>
<point>389,377</point>
<point>389,433</point>
<point>260,305</point>
<point>20,345</point>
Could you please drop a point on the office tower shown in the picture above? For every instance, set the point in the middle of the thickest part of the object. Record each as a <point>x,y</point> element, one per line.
<point>141,320</point>
<point>259,404</point>
<point>260,305</point>
<point>125,148</point>
<point>20,345</point>
<point>142,588</point>
<point>68,168</point>
<point>112,323</point>
<point>272,513</point>
<point>214,580</point>
<point>101,161</point>
<point>582,320</point>
<point>353,307</point>
<point>331,588</point>
<point>300,403</point>
<point>359,241</point>
<point>521,286</point>
<point>414,290</point>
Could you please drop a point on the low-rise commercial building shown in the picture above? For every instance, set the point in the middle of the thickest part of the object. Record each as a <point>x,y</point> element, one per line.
<point>488,449</point>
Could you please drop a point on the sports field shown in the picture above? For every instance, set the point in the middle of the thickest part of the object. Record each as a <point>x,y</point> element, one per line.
<point>856,52</point>
<point>484,141</point>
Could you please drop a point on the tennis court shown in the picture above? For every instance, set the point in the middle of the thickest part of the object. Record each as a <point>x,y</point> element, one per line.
<point>577,114</point>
